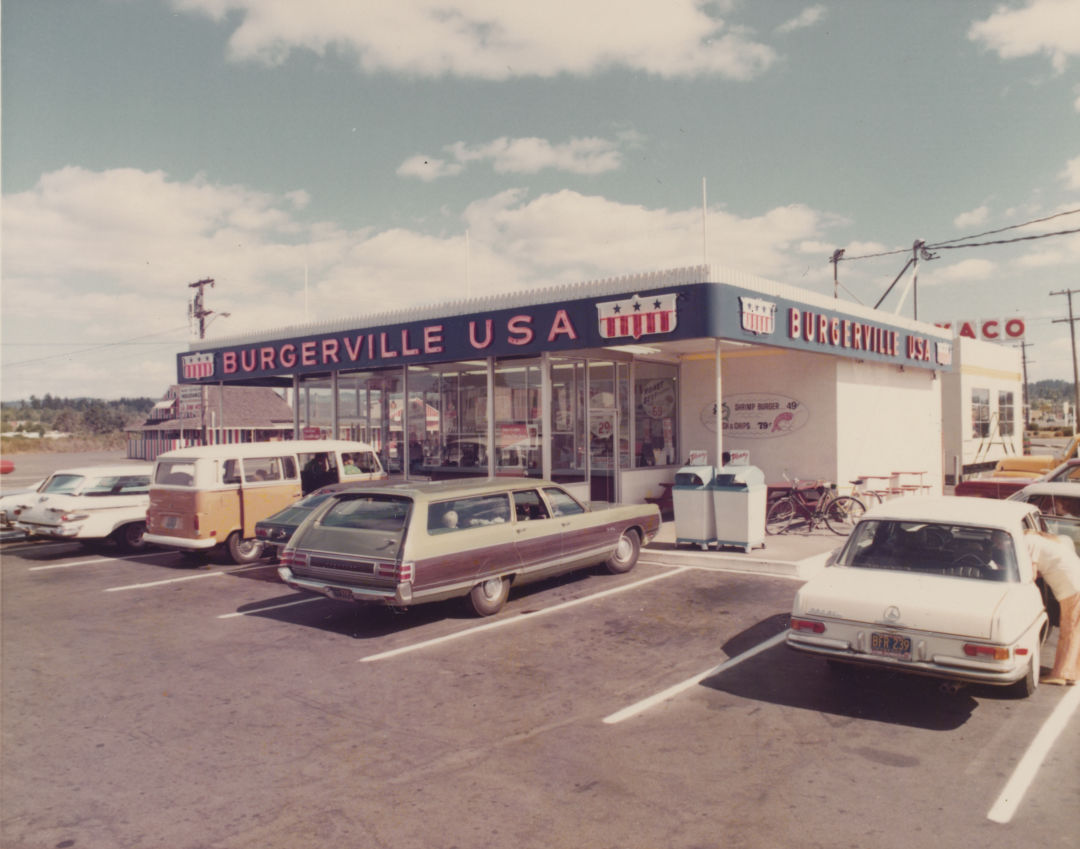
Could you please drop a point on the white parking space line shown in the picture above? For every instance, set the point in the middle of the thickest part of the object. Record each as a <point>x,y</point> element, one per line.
<point>97,560</point>
<point>274,607</point>
<point>43,547</point>
<point>178,580</point>
<point>1036,753</point>
<point>675,689</point>
<point>520,618</point>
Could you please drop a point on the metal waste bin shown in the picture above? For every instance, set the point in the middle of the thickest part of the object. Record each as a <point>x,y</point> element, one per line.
<point>738,501</point>
<point>695,518</point>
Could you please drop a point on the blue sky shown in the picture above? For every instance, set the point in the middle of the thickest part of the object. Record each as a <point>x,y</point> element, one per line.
<point>400,152</point>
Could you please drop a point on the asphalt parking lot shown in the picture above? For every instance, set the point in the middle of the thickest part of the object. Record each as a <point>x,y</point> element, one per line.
<point>153,701</point>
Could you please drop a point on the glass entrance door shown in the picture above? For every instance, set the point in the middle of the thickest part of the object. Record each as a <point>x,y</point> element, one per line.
<point>603,429</point>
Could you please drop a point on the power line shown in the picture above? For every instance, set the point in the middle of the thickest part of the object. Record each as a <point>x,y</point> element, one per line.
<point>95,348</point>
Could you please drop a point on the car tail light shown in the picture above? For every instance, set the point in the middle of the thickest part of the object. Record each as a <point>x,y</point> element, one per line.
<point>399,572</point>
<point>807,625</point>
<point>992,652</point>
<point>292,557</point>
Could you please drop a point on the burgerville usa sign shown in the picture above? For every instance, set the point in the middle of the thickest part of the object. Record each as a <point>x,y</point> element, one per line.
<point>690,311</point>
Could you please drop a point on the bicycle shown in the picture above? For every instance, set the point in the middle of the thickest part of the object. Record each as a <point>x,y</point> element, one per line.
<point>839,513</point>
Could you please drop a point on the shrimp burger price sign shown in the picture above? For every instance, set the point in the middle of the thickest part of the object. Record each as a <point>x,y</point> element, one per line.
<point>757,415</point>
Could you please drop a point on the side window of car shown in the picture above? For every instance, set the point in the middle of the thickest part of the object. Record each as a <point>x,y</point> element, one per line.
<point>230,472</point>
<point>259,469</point>
<point>562,503</point>
<point>528,505</point>
<point>473,512</point>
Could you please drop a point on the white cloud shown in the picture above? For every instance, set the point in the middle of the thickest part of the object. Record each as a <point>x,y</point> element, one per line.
<point>1050,27</point>
<point>518,156</point>
<point>974,218</point>
<point>493,39</point>
<point>964,271</point>
<point>1071,174</point>
<point>807,18</point>
<point>97,265</point>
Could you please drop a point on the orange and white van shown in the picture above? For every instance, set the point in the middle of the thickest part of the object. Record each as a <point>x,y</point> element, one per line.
<point>211,496</point>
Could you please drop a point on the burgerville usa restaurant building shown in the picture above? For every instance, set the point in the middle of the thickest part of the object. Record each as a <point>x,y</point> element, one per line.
<point>610,386</point>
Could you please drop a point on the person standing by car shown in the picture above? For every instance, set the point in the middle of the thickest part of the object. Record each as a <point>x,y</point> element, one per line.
<point>1056,560</point>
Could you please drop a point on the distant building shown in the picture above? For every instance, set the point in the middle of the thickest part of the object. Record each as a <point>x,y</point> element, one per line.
<point>211,415</point>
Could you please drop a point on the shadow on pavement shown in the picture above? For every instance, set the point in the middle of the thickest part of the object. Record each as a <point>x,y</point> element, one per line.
<point>782,676</point>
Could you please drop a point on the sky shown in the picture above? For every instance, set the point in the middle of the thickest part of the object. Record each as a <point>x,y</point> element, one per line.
<point>333,158</point>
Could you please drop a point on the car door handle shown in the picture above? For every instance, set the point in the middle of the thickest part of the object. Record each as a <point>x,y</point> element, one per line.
<point>520,530</point>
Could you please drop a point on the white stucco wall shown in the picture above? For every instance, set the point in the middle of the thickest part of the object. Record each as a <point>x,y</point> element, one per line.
<point>889,421</point>
<point>850,418</point>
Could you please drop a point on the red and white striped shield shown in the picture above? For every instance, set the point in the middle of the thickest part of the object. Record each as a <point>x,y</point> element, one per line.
<point>636,317</point>
<point>198,365</point>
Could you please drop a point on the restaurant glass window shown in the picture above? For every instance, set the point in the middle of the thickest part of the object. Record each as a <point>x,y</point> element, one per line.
<point>980,413</point>
<point>370,410</point>
<point>518,425</point>
<point>316,407</point>
<point>1006,414</point>
<point>567,420</point>
<point>447,421</point>
<point>655,404</point>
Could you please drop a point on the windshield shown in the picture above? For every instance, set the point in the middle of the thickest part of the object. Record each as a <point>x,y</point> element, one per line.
<point>63,483</point>
<point>933,548</point>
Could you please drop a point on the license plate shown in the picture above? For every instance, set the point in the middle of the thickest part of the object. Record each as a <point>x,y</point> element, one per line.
<point>890,645</point>
<point>171,522</point>
<point>338,592</point>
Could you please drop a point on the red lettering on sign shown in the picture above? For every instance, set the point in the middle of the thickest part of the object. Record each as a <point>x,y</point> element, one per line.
<point>966,330</point>
<point>990,329</point>
<point>562,326</point>
<point>266,358</point>
<point>353,347</point>
<point>384,352</point>
<point>487,334</point>
<point>307,353</point>
<point>1014,328</point>
<point>794,323</point>
<point>228,362</point>
<point>834,331</point>
<point>405,349</point>
<point>809,326</point>
<point>330,351</point>
<point>288,355</point>
<point>823,329</point>
<point>521,333</point>
<point>856,339</point>
<point>433,339</point>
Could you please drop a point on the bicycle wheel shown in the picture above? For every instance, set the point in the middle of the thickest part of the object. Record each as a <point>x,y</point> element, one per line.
<point>842,513</point>
<point>780,516</point>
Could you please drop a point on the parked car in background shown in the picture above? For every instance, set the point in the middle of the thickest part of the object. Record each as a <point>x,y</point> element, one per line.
<point>10,500</point>
<point>276,530</point>
<point>937,586</point>
<point>995,486</point>
<point>401,544</point>
<point>1059,504</point>
<point>89,503</point>
<point>210,497</point>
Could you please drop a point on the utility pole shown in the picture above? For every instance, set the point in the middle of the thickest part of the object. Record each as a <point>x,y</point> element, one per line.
<point>1072,328</point>
<point>196,309</point>
<point>837,255</point>
<point>1023,346</point>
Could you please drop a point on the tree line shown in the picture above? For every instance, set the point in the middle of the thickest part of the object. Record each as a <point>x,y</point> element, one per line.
<point>77,416</point>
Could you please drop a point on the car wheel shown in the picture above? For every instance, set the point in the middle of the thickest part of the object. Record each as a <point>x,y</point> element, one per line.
<point>130,537</point>
<point>780,516</point>
<point>626,553</point>
<point>1027,685</point>
<point>489,597</point>
<point>244,550</point>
